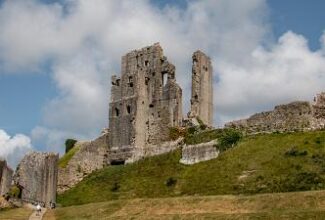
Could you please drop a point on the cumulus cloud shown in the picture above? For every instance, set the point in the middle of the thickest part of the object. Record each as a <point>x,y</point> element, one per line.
<point>84,41</point>
<point>14,148</point>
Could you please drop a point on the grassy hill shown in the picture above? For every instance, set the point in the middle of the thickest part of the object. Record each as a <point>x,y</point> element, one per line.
<point>258,164</point>
<point>297,205</point>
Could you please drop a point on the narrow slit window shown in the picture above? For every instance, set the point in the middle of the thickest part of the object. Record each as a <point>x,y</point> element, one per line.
<point>117,112</point>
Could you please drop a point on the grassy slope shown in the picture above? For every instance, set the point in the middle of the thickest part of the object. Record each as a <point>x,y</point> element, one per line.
<point>259,164</point>
<point>298,205</point>
<point>63,162</point>
<point>16,213</point>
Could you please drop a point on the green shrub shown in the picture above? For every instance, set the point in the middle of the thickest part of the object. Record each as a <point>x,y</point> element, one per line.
<point>229,138</point>
<point>176,132</point>
<point>69,144</point>
<point>115,187</point>
<point>14,192</point>
<point>171,181</point>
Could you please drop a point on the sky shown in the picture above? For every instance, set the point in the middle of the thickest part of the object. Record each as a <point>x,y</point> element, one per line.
<point>57,56</point>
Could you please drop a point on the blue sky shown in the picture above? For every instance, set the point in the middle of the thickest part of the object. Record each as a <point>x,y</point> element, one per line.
<point>32,95</point>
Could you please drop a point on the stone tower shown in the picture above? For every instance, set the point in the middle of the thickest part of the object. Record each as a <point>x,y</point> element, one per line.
<point>202,88</point>
<point>145,102</point>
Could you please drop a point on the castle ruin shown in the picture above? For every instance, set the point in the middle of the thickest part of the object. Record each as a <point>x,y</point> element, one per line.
<point>145,102</point>
<point>5,177</point>
<point>36,176</point>
<point>202,88</point>
<point>295,116</point>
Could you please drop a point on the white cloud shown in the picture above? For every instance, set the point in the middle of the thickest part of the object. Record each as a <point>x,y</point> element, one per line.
<point>14,148</point>
<point>85,40</point>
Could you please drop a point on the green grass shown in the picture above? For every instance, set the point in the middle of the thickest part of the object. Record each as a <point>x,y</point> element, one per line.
<point>15,214</point>
<point>298,205</point>
<point>258,164</point>
<point>63,162</point>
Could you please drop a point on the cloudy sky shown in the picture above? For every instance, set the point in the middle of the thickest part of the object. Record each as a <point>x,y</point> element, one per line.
<point>57,56</point>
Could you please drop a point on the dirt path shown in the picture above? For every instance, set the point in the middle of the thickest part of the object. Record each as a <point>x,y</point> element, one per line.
<point>36,216</point>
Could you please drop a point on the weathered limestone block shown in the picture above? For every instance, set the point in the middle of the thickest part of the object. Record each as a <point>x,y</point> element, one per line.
<point>6,174</point>
<point>37,175</point>
<point>145,102</point>
<point>202,88</point>
<point>295,116</point>
<point>91,156</point>
<point>192,154</point>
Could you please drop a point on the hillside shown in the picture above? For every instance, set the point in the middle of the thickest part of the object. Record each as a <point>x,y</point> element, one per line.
<point>296,205</point>
<point>258,164</point>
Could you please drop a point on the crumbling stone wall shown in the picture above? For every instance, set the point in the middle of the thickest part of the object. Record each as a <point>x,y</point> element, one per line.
<point>5,177</point>
<point>202,88</point>
<point>91,156</point>
<point>145,102</point>
<point>152,150</point>
<point>37,174</point>
<point>295,116</point>
<point>192,154</point>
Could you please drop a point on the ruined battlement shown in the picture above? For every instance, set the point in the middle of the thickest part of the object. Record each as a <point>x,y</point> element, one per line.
<point>299,115</point>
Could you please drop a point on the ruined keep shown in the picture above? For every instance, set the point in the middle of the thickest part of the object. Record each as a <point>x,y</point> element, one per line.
<point>5,177</point>
<point>36,176</point>
<point>295,116</point>
<point>145,102</point>
<point>202,88</point>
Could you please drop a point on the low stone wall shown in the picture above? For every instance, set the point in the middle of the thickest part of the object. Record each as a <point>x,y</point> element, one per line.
<point>5,177</point>
<point>295,116</point>
<point>37,176</point>
<point>91,156</point>
<point>192,154</point>
<point>153,150</point>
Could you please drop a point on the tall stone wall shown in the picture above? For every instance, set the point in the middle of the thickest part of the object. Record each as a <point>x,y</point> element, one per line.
<point>5,177</point>
<point>145,102</point>
<point>91,156</point>
<point>295,116</point>
<point>37,175</point>
<point>202,88</point>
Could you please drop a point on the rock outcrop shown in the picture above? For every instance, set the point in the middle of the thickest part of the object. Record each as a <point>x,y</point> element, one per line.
<point>192,154</point>
<point>295,116</point>
<point>37,176</point>
<point>5,177</point>
<point>91,156</point>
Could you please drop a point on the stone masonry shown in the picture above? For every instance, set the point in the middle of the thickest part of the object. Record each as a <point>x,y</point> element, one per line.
<point>37,175</point>
<point>145,102</point>
<point>295,116</point>
<point>5,177</point>
<point>91,156</point>
<point>202,88</point>
<point>192,154</point>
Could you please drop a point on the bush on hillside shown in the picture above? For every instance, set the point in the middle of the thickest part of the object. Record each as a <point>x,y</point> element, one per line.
<point>176,132</point>
<point>171,181</point>
<point>229,138</point>
<point>69,144</point>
